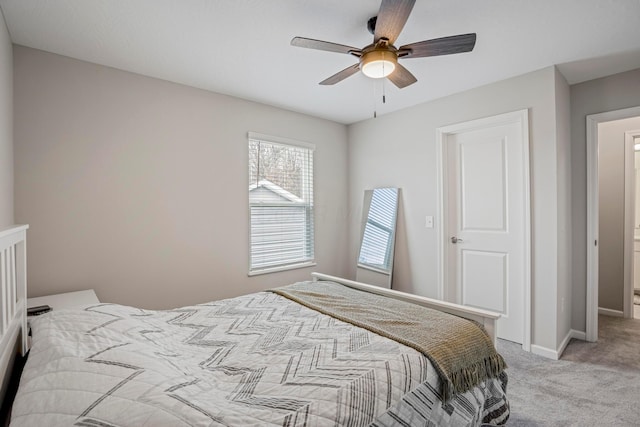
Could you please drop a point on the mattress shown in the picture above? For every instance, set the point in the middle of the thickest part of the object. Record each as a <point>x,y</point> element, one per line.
<point>255,360</point>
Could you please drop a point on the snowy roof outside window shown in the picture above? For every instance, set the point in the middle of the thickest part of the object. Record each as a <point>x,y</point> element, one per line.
<point>266,191</point>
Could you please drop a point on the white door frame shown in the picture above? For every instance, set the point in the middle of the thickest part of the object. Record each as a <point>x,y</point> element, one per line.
<point>520,117</point>
<point>592,123</point>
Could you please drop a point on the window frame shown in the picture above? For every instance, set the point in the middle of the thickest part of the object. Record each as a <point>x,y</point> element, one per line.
<point>309,204</point>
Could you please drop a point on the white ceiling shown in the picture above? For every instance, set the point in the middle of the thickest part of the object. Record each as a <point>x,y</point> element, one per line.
<point>241,47</point>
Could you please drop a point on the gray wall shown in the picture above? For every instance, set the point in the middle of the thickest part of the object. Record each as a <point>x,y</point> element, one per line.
<point>399,150</point>
<point>563,138</point>
<point>137,187</point>
<point>75,120</point>
<point>595,96</point>
<point>6,126</point>
<point>611,181</point>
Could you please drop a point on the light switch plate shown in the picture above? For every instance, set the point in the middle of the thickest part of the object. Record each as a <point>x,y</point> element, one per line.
<point>428,222</point>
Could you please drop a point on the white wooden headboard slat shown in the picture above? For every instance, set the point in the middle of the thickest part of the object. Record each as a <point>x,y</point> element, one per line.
<point>4,284</point>
<point>13,292</point>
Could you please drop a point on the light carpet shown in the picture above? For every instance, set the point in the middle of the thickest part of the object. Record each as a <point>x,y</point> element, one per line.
<point>592,384</point>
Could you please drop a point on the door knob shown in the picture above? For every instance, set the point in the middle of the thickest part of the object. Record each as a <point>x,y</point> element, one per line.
<point>455,240</point>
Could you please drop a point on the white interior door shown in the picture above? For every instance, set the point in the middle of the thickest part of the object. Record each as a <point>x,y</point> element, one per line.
<point>486,217</point>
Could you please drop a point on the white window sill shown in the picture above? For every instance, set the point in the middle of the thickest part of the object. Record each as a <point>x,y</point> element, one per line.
<point>282,268</point>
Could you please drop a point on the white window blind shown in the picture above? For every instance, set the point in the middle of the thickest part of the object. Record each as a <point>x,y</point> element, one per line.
<point>280,204</point>
<point>379,229</point>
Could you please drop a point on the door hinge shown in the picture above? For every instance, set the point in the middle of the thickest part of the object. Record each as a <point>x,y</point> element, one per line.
<point>595,243</point>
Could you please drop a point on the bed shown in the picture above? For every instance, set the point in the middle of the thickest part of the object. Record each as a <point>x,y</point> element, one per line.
<point>327,351</point>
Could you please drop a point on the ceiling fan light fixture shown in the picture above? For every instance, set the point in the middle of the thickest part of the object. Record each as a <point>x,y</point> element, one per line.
<point>380,58</point>
<point>378,63</point>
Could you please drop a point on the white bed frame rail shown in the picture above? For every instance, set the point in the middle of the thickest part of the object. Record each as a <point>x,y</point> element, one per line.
<point>13,297</point>
<point>486,318</point>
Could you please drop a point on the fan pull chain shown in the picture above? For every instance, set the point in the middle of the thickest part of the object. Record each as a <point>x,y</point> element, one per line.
<point>384,97</point>
<point>375,96</point>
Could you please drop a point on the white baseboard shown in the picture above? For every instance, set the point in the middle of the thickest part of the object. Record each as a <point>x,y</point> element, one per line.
<point>609,312</point>
<point>544,352</point>
<point>563,345</point>
<point>579,335</point>
<point>556,354</point>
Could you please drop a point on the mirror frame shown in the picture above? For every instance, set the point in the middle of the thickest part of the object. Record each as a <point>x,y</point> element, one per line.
<point>369,273</point>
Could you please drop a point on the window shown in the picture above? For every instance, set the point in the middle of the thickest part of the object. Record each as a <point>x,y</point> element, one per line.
<point>280,203</point>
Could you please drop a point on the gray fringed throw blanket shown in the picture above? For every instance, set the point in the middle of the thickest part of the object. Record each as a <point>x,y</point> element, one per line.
<point>459,349</point>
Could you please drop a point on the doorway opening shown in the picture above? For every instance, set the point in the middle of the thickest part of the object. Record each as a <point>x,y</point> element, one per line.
<point>632,197</point>
<point>624,247</point>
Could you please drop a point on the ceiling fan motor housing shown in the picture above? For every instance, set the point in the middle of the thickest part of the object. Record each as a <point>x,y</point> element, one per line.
<point>371,24</point>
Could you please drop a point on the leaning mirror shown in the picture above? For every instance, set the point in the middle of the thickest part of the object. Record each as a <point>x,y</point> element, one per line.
<point>375,257</point>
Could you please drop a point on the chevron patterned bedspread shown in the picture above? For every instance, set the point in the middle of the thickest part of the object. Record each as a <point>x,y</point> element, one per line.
<point>254,360</point>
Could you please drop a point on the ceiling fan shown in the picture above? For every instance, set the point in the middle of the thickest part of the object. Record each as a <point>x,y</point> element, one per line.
<point>380,58</point>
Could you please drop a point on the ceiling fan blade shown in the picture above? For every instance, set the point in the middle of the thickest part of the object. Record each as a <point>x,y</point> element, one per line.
<point>391,18</point>
<point>402,77</point>
<point>341,75</point>
<point>322,45</point>
<point>442,46</point>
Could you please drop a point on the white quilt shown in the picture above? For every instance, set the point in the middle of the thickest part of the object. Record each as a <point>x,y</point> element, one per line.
<point>255,360</point>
